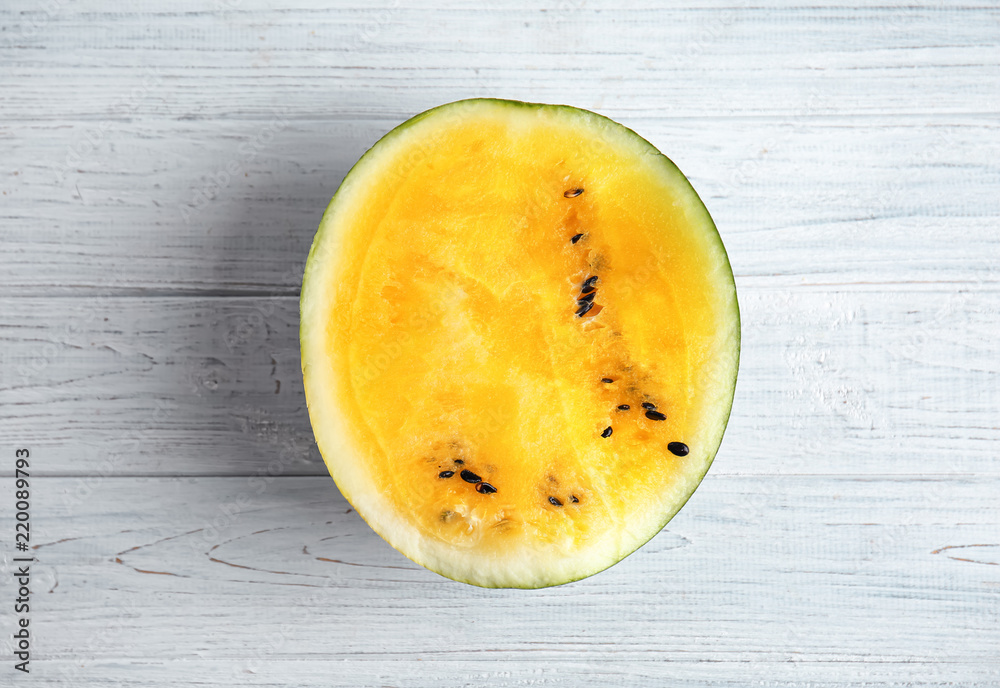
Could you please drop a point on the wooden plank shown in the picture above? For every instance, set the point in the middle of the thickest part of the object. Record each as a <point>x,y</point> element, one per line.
<point>427,670</point>
<point>157,386</point>
<point>178,207</point>
<point>805,580</point>
<point>852,380</point>
<point>382,60</point>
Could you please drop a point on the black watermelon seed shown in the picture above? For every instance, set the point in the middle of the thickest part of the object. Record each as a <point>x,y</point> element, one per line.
<point>606,379</point>
<point>485,488</point>
<point>586,298</point>
<point>678,448</point>
<point>590,281</point>
<point>446,474</point>
<point>459,462</point>
<point>655,415</point>
<point>587,290</point>
<point>582,310</point>
<point>572,193</point>
<point>573,499</point>
<point>576,238</point>
<point>470,477</point>
<point>624,407</point>
<point>607,432</point>
<point>554,502</point>
<point>647,405</point>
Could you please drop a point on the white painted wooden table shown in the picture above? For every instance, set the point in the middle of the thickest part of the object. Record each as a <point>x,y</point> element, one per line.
<point>163,170</point>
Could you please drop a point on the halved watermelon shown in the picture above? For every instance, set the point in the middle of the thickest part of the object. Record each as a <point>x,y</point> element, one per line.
<point>520,339</point>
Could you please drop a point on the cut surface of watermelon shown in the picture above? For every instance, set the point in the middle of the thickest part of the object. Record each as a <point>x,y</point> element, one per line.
<point>520,339</point>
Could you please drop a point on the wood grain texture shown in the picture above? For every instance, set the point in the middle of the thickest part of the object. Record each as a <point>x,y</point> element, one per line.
<point>823,580</point>
<point>904,59</point>
<point>163,170</point>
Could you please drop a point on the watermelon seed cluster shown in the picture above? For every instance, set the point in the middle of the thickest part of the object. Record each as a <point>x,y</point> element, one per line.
<point>584,303</point>
<point>470,477</point>
<point>555,501</point>
<point>676,448</point>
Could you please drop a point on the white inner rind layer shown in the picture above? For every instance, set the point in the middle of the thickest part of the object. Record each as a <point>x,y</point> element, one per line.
<point>526,565</point>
